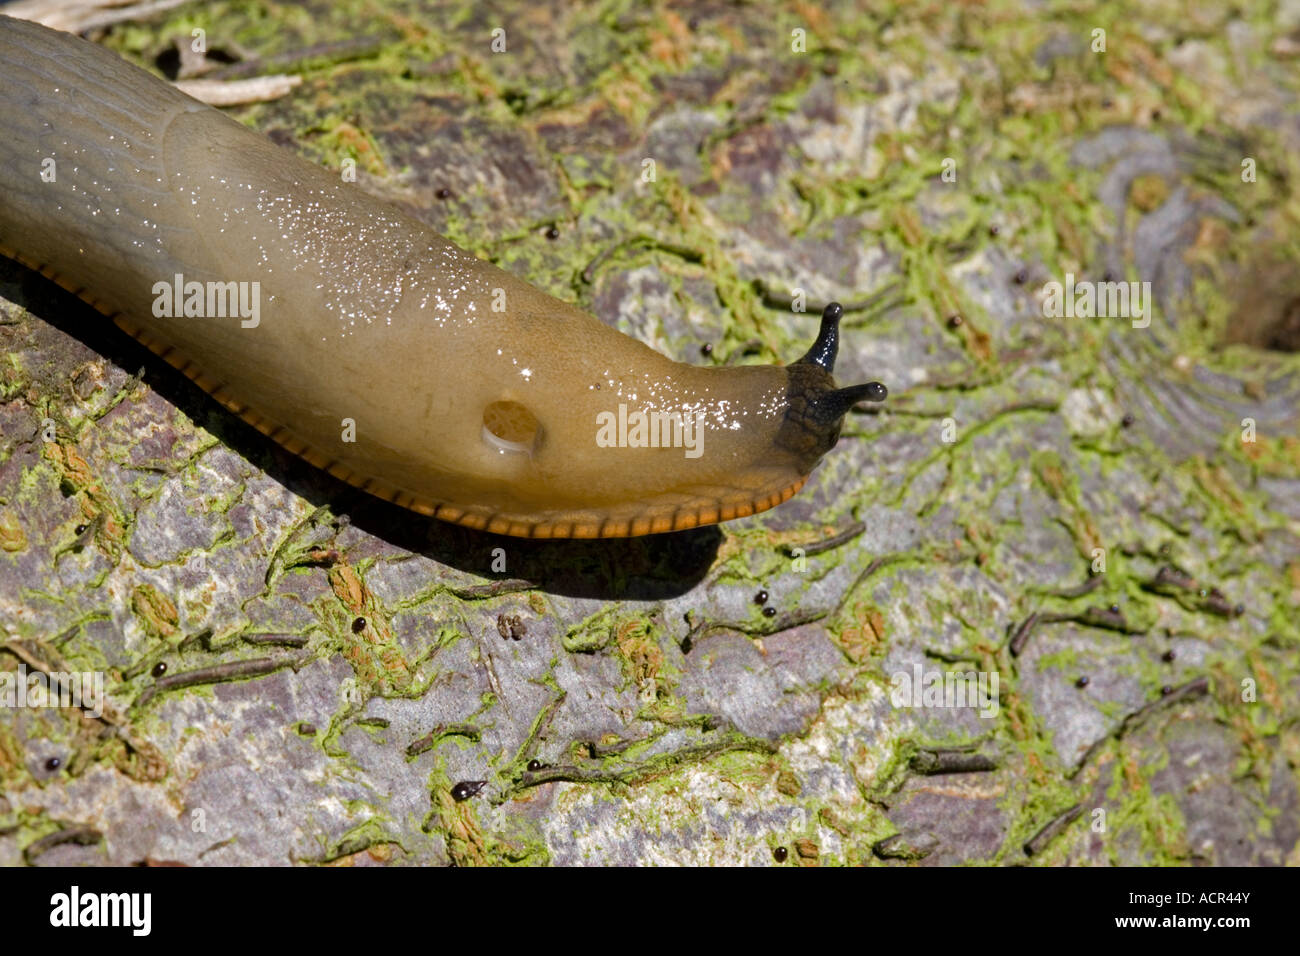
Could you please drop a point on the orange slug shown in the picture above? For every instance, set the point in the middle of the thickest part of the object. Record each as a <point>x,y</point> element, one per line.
<point>364,342</point>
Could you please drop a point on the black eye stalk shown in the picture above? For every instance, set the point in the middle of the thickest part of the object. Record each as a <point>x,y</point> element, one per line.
<point>823,353</point>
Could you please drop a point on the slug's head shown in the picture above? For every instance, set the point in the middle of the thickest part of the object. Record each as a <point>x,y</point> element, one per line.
<point>815,407</point>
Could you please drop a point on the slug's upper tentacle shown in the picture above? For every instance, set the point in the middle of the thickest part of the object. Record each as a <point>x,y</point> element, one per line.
<point>832,405</point>
<point>827,346</point>
<point>823,354</point>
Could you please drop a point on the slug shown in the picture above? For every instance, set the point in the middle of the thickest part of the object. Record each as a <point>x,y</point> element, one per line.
<point>365,343</point>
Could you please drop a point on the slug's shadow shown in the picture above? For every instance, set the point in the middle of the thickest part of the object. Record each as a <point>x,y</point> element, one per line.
<point>650,568</point>
<point>654,567</point>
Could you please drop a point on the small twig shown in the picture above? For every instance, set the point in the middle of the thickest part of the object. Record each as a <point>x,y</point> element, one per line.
<point>899,847</point>
<point>1087,587</point>
<point>81,835</point>
<point>872,567</point>
<point>259,89</point>
<point>1092,616</point>
<point>637,772</point>
<point>589,273</point>
<point>648,242</point>
<point>782,300</point>
<point>337,51</point>
<point>540,726</point>
<point>1020,637</point>
<point>940,761</point>
<point>1039,841</point>
<point>477,592</point>
<point>784,621</point>
<point>152,766</point>
<point>201,639</point>
<point>216,674</point>
<point>1172,582</point>
<point>1193,688</point>
<point>82,18</point>
<point>1102,617</point>
<point>828,544</point>
<point>282,639</point>
<point>440,733</point>
<point>622,747</point>
<point>952,657</point>
<point>294,548</point>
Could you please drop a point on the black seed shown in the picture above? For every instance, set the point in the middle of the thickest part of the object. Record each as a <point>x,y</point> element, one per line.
<point>707,348</point>
<point>1167,656</point>
<point>1166,691</point>
<point>1155,114</point>
<point>54,763</point>
<point>358,625</point>
<point>1127,420</point>
<point>1083,681</point>
<point>1021,276</point>
<point>536,765</point>
<point>552,233</point>
<point>769,611</point>
<point>760,597</point>
<point>1239,610</point>
<point>1108,276</point>
<point>954,321</point>
<point>1114,609</point>
<point>80,529</point>
<point>443,193</point>
<point>159,669</point>
<point>994,229</point>
<point>466,789</point>
<point>780,854</point>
